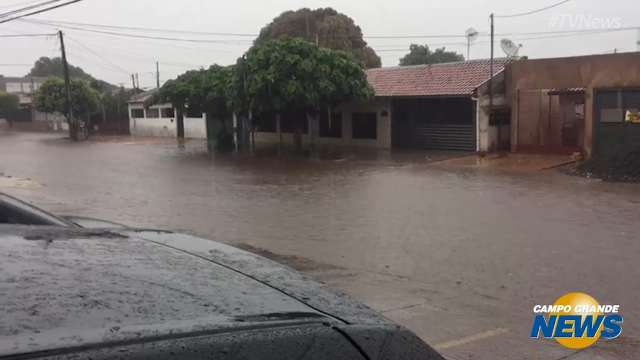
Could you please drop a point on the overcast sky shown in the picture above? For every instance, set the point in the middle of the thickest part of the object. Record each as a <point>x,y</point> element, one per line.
<point>113,58</point>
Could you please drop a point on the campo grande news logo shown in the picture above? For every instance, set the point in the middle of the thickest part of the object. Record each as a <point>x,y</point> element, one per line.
<point>577,321</point>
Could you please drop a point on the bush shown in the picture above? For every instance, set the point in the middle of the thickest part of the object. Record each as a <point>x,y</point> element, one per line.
<point>621,165</point>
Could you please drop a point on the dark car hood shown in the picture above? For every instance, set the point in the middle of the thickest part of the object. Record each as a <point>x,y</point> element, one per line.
<point>68,287</point>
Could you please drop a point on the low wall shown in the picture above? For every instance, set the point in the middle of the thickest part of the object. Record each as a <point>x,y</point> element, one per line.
<point>160,127</point>
<point>195,128</point>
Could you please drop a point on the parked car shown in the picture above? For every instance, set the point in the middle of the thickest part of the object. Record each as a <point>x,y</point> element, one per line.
<point>78,288</point>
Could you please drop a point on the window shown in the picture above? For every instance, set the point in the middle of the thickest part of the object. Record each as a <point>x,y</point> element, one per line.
<point>153,113</point>
<point>14,88</point>
<point>291,120</point>
<point>137,113</point>
<point>618,105</point>
<point>266,122</point>
<point>610,107</point>
<point>365,125</point>
<point>167,112</point>
<point>330,127</point>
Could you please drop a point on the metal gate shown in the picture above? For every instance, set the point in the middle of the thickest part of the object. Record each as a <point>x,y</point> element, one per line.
<point>445,136</point>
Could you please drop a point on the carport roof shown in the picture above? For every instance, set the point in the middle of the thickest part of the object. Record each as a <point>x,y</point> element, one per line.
<point>447,79</point>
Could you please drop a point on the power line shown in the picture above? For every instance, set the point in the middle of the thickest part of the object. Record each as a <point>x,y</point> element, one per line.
<point>53,23</point>
<point>136,28</point>
<point>39,11</point>
<point>130,35</point>
<point>22,3</point>
<point>37,5</point>
<point>102,58</point>
<point>534,11</point>
<point>24,35</point>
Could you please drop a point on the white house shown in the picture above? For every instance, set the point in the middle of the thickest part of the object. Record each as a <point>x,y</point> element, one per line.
<point>160,119</point>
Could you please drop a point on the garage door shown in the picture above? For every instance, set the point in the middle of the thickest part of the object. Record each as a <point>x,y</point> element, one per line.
<point>434,123</point>
<point>445,137</point>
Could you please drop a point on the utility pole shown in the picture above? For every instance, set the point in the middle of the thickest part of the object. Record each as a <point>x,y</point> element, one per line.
<point>491,81</point>
<point>133,81</point>
<point>73,129</point>
<point>137,81</point>
<point>157,75</point>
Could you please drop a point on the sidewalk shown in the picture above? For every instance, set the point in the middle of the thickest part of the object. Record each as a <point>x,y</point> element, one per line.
<point>510,162</point>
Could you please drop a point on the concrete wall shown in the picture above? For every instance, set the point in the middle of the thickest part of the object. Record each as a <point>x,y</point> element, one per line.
<point>589,72</point>
<point>195,128</point>
<point>160,127</point>
<point>487,134</point>
<point>378,105</point>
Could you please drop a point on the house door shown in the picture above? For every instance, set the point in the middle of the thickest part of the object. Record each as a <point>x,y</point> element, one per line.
<point>550,121</point>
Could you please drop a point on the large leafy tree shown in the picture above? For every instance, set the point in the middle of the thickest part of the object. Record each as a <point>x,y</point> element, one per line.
<point>326,27</point>
<point>294,74</point>
<point>46,67</point>
<point>204,90</point>
<point>9,103</point>
<point>422,54</point>
<point>51,97</point>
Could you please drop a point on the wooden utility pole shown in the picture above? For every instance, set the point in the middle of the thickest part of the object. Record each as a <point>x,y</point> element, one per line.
<point>73,128</point>
<point>157,75</point>
<point>491,82</point>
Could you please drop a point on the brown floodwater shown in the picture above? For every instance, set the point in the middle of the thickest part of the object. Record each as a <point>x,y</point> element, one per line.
<point>519,238</point>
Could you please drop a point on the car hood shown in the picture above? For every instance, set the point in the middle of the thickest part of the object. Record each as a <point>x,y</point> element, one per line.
<point>66,287</point>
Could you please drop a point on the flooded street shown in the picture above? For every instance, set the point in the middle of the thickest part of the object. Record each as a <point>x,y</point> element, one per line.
<point>458,254</point>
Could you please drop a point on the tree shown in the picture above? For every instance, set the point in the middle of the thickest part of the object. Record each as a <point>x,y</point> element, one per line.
<point>294,74</point>
<point>325,27</point>
<point>421,54</point>
<point>9,103</point>
<point>201,90</point>
<point>51,97</point>
<point>47,67</point>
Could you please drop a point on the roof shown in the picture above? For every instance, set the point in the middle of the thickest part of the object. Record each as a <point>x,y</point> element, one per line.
<point>558,91</point>
<point>4,79</point>
<point>447,79</point>
<point>142,97</point>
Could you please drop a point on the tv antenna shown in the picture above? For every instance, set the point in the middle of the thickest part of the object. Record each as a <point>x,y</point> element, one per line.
<point>510,48</point>
<point>472,36</point>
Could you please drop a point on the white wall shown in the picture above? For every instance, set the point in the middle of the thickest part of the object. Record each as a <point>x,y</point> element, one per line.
<point>160,127</point>
<point>195,128</point>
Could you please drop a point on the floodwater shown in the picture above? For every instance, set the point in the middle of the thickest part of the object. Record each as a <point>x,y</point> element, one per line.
<point>458,254</point>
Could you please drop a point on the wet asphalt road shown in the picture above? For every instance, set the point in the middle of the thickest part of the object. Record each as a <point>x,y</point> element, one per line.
<point>459,255</point>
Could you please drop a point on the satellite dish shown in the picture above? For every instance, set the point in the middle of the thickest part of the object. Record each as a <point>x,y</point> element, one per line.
<point>510,48</point>
<point>471,34</point>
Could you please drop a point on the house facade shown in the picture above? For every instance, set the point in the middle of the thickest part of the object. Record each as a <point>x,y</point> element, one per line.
<point>581,104</point>
<point>159,120</point>
<point>419,107</point>
<point>24,88</point>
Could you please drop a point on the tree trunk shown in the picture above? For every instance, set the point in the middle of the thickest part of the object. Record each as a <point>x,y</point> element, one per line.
<point>180,122</point>
<point>279,130</point>
<point>297,137</point>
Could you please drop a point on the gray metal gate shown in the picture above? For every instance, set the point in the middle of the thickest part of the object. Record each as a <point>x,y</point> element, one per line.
<point>445,136</point>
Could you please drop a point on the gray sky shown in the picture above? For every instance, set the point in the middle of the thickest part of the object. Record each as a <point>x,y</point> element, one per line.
<point>113,58</point>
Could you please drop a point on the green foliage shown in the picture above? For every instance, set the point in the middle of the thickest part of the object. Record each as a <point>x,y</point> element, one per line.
<point>202,90</point>
<point>51,97</point>
<point>8,103</point>
<point>294,74</point>
<point>47,67</point>
<point>328,27</point>
<point>421,54</point>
